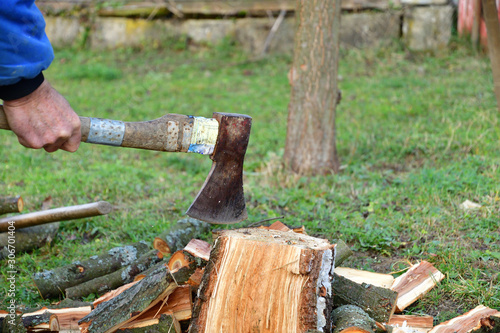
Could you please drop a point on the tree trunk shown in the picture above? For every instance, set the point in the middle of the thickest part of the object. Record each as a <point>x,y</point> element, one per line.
<point>265,281</point>
<point>310,143</point>
<point>490,13</point>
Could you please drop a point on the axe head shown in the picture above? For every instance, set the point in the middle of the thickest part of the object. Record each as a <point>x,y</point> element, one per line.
<point>221,199</point>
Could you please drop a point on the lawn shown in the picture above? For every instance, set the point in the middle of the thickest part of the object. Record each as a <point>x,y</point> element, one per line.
<point>417,135</point>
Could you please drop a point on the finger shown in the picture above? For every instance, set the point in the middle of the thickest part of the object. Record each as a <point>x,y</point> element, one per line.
<point>72,144</point>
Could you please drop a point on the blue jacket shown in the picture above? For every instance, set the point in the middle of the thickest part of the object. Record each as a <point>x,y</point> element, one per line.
<point>25,50</point>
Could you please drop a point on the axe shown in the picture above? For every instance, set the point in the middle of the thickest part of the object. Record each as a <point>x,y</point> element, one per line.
<point>224,137</point>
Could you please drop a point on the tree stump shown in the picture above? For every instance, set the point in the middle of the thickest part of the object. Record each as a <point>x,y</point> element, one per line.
<point>265,281</point>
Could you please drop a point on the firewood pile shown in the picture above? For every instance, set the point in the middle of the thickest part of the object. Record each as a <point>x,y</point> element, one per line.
<point>263,279</point>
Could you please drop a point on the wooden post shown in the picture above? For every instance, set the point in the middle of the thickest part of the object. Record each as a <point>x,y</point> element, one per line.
<point>490,13</point>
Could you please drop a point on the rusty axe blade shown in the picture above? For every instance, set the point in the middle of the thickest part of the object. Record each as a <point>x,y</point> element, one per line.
<point>221,199</point>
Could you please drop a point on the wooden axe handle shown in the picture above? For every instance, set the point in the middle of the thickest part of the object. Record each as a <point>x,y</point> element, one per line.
<point>172,132</point>
<point>55,215</point>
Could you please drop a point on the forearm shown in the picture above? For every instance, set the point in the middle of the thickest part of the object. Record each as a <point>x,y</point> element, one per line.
<point>25,50</point>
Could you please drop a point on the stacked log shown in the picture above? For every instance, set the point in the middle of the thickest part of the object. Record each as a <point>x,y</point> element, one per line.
<point>53,283</point>
<point>266,279</point>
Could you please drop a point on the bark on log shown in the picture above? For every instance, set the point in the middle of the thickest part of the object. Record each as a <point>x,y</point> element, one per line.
<point>67,318</point>
<point>52,283</point>
<point>342,251</point>
<point>13,325</point>
<point>415,283</point>
<point>55,215</point>
<point>165,324</point>
<point>128,305</point>
<point>115,292</point>
<point>11,205</point>
<point>265,281</point>
<point>481,319</point>
<point>351,318</point>
<point>116,279</point>
<point>27,239</point>
<point>179,235</point>
<point>379,303</point>
<point>32,320</point>
<point>359,276</point>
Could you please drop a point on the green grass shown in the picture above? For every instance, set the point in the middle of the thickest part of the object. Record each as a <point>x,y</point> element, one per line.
<point>417,136</point>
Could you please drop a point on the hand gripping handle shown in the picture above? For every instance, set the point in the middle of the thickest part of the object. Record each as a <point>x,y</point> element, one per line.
<point>172,132</point>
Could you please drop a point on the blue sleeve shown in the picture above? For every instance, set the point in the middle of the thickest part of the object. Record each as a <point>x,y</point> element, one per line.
<point>25,50</point>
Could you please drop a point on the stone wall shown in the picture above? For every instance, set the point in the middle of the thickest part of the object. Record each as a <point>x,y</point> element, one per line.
<point>422,24</point>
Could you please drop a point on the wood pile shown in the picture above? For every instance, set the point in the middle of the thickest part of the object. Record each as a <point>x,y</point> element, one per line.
<point>265,279</point>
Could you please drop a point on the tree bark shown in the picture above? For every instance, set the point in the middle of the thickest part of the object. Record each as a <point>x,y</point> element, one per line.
<point>52,283</point>
<point>490,13</point>
<point>114,280</point>
<point>310,143</point>
<point>342,251</point>
<point>11,205</point>
<point>179,235</point>
<point>351,318</point>
<point>379,303</point>
<point>265,281</point>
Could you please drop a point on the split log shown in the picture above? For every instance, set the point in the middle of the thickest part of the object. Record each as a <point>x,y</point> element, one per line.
<point>351,318</point>
<point>178,304</point>
<point>27,239</point>
<point>481,319</point>
<point>55,215</point>
<point>52,283</point>
<point>113,293</point>
<point>116,279</point>
<point>342,251</point>
<point>265,281</point>
<point>415,283</point>
<point>11,205</point>
<point>179,235</point>
<point>139,298</point>
<point>359,276</point>
<point>67,318</point>
<point>39,319</point>
<point>379,303</point>
<point>165,323</point>
<point>418,324</point>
